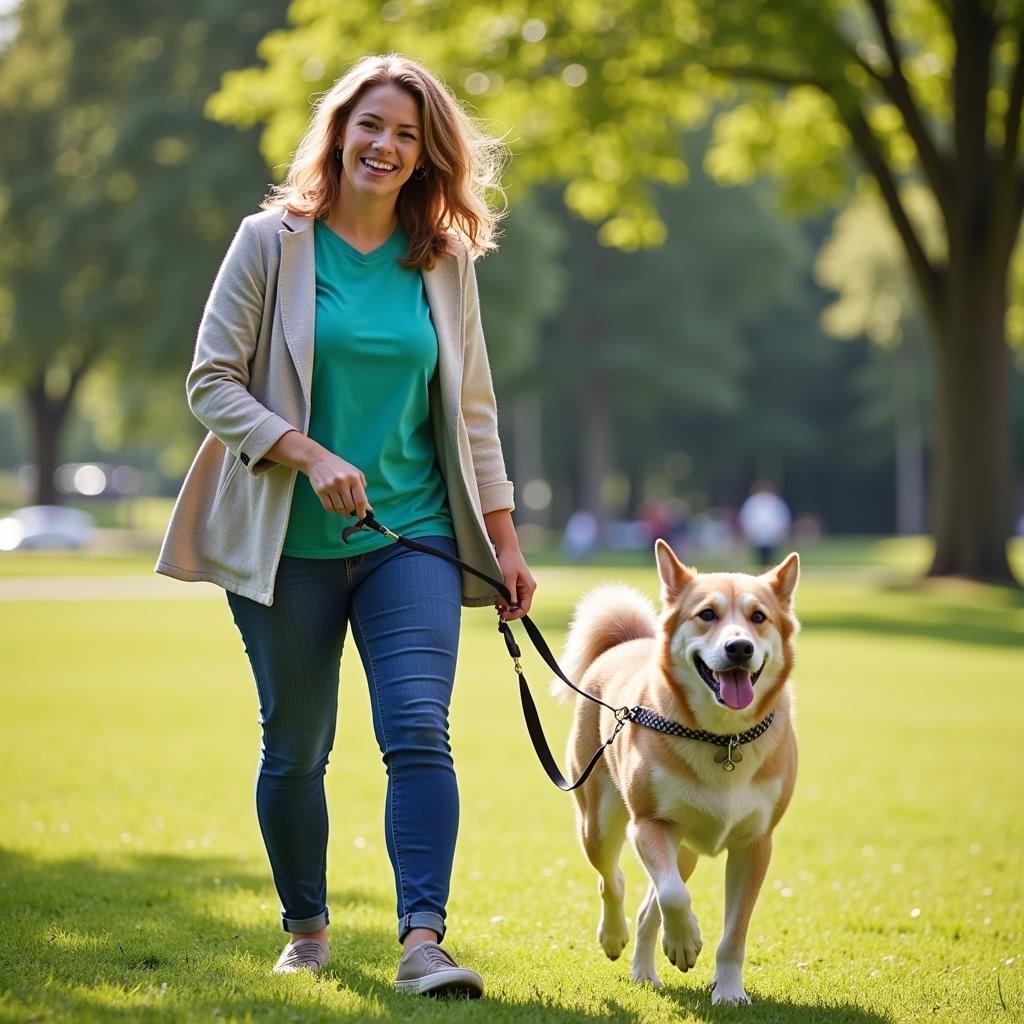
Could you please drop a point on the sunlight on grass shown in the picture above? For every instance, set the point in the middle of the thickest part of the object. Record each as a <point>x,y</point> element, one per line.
<point>133,883</point>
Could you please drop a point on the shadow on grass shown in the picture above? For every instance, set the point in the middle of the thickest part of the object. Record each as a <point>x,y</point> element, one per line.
<point>697,1006</point>
<point>975,626</point>
<point>145,939</point>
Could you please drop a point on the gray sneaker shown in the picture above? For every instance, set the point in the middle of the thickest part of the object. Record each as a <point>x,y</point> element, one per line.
<point>429,970</point>
<point>303,955</point>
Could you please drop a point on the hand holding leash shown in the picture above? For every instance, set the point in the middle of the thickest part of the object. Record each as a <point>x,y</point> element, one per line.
<point>340,486</point>
<point>519,582</point>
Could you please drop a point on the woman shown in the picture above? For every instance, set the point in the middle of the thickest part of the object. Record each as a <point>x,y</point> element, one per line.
<point>340,368</point>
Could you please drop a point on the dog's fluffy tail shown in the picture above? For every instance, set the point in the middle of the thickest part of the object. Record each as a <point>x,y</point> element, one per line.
<point>604,618</point>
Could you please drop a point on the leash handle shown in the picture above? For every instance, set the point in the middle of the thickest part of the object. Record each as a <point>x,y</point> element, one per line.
<point>530,714</point>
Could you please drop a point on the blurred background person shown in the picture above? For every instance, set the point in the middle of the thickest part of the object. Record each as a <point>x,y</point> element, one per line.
<point>764,520</point>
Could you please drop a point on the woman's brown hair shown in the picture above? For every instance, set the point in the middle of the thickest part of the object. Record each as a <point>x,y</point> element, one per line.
<point>463,163</point>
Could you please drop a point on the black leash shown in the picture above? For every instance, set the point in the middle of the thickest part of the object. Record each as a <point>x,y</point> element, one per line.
<point>533,726</point>
<point>728,758</point>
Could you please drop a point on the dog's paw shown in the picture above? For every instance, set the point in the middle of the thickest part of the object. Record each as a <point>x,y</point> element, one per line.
<point>644,973</point>
<point>613,933</point>
<point>680,937</point>
<point>726,991</point>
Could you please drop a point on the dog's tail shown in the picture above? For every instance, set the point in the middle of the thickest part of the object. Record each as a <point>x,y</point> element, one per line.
<point>604,618</point>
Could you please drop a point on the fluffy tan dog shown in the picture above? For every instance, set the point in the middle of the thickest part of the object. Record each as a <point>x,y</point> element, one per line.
<point>715,661</point>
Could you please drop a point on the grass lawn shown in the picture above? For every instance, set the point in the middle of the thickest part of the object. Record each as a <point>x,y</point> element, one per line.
<point>133,882</point>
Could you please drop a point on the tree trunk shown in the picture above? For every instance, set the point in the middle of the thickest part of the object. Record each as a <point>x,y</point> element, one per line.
<point>49,416</point>
<point>910,486</point>
<point>973,464</point>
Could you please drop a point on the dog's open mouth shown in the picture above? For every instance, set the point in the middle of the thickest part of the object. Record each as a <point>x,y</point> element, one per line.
<point>733,688</point>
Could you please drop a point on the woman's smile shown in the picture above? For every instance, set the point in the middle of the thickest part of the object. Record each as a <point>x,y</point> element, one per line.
<point>378,168</point>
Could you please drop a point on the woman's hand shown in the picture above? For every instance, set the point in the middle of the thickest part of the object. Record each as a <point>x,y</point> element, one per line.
<point>520,582</point>
<point>514,573</point>
<point>340,486</point>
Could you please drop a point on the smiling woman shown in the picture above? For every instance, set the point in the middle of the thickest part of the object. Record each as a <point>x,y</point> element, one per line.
<point>340,362</point>
<point>408,125</point>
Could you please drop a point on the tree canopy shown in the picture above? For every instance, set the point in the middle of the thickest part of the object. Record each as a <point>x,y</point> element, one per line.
<point>827,96</point>
<point>117,194</point>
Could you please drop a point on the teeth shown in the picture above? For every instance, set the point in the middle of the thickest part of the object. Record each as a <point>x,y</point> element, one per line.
<point>377,165</point>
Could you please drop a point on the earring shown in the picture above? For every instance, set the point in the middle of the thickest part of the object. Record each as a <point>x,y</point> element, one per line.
<point>337,152</point>
<point>419,174</point>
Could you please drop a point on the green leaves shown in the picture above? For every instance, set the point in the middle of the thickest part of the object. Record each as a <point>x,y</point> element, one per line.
<point>118,195</point>
<point>795,139</point>
<point>585,96</point>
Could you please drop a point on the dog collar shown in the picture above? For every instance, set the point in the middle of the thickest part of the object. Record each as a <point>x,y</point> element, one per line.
<point>727,758</point>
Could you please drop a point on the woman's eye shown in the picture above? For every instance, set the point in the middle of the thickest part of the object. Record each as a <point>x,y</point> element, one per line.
<point>367,124</point>
<point>708,615</point>
<point>758,617</point>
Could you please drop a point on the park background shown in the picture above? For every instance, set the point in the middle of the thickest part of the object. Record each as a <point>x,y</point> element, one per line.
<point>743,241</point>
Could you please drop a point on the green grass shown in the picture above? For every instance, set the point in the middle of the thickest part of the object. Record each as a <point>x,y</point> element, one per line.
<point>64,563</point>
<point>133,884</point>
<point>898,557</point>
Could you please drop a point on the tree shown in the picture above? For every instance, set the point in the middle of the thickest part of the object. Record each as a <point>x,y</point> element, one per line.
<point>666,330</point>
<point>930,93</point>
<point>862,261</point>
<point>923,90</point>
<point>118,196</point>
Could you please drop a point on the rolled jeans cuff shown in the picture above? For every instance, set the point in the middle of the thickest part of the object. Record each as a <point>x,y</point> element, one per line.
<point>302,926</point>
<point>421,919</point>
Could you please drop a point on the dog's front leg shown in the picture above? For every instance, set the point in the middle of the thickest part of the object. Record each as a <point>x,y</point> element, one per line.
<point>648,922</point>
<point>656,844</point>
<point>744,875</point>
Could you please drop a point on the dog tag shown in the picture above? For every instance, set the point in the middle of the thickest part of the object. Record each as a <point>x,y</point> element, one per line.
<point>729,756</point>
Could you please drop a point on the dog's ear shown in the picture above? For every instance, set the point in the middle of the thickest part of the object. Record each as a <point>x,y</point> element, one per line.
<point>674,575</point>
<point>784,577</point>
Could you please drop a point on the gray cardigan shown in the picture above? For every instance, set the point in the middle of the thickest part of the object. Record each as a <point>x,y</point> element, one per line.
<point>250,383</point>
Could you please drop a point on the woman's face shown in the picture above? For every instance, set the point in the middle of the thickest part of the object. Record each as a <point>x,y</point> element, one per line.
<point>381,143</point>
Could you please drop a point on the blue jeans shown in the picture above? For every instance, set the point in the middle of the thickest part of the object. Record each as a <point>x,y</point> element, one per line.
<point>404,608</point>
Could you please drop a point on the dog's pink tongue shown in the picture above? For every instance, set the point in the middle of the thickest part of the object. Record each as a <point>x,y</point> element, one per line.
<point>736,688</point>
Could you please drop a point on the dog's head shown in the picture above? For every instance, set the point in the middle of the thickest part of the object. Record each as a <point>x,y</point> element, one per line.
<point>727,638</point>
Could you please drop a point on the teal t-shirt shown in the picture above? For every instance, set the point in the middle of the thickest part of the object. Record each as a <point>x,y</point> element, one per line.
<point>375,350</point>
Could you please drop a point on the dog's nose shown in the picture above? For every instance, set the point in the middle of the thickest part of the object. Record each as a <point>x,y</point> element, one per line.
<point>739,650</point>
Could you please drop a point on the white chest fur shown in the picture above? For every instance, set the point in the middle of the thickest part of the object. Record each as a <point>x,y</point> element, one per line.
<point>717,809</point>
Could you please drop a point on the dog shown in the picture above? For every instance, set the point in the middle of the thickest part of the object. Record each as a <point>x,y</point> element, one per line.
<point>717,660</point>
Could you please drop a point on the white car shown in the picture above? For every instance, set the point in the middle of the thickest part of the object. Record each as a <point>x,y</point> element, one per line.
<point>45,526</point>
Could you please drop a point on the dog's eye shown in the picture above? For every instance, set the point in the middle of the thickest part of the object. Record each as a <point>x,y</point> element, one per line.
<point>758,617</point>
<point>708,615</point>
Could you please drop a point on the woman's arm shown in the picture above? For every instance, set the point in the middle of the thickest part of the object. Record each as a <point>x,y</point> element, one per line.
<point>479,410</point>
<point>218,382</point>
<point>514,570</point>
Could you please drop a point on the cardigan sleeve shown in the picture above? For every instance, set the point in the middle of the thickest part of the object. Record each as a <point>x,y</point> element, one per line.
<point>217,384</point>
<point>479,409</point>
